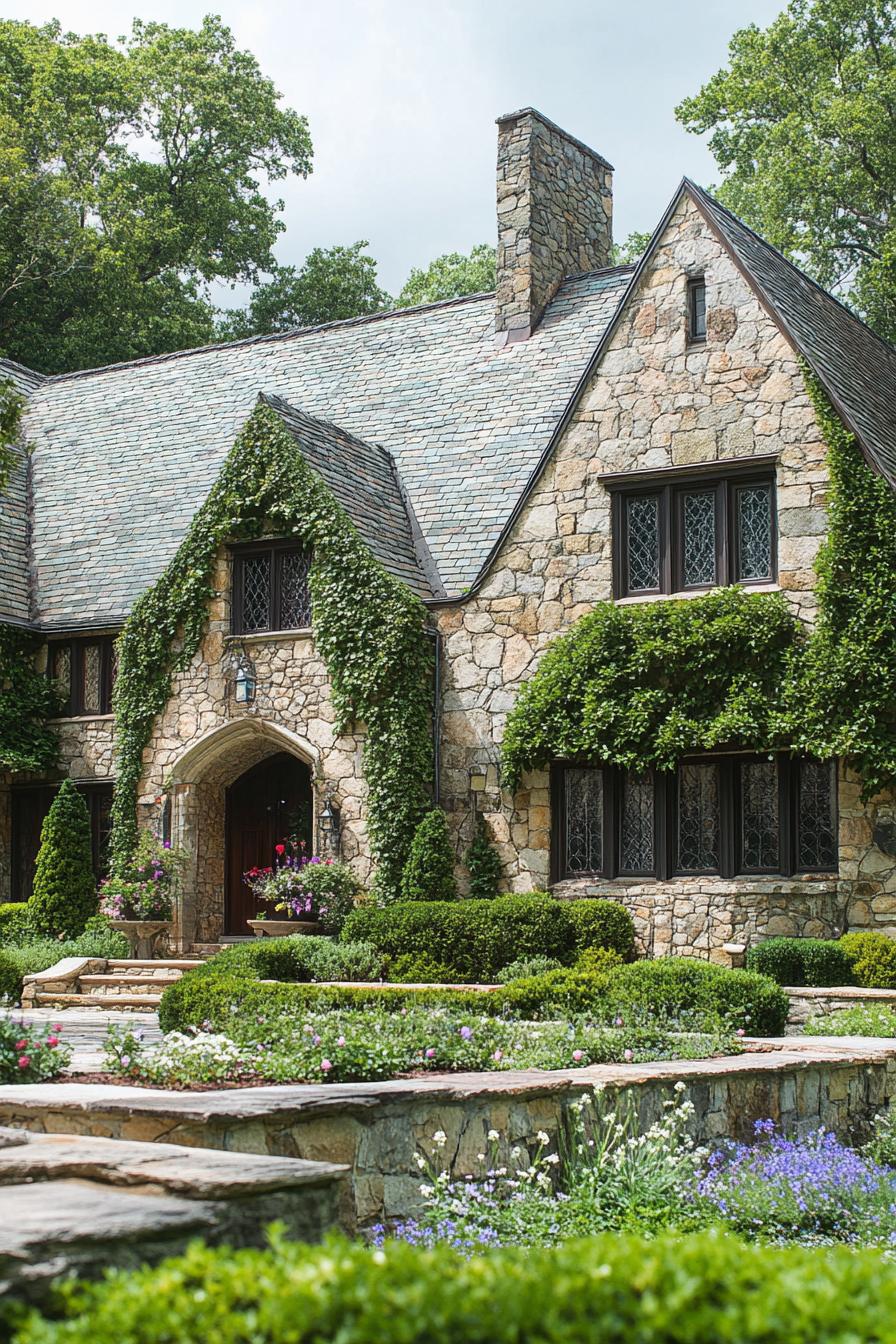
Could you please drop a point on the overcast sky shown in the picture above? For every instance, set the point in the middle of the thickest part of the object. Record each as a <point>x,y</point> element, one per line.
<point>402,95</point>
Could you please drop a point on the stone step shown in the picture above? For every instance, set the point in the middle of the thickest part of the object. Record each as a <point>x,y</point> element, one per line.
<point>49,999</point>
<point>160,981</point>
<point>162,964</point>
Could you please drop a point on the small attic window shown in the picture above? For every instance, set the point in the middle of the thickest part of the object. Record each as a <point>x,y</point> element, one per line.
<point>696,309</point>
<point>270,588</point>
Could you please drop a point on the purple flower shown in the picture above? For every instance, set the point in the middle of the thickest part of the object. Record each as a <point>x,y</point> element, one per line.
<point>466,1033</point>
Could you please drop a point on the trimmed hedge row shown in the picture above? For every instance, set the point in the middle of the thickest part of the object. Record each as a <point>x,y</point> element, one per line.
<point>702,1289</point>
<point>477,939</point>
<point>867,960</point>
<point>664,990</point>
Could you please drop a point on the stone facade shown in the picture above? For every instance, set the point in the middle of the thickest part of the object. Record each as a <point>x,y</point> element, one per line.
<point>555,217</point>
<point>653,402</point>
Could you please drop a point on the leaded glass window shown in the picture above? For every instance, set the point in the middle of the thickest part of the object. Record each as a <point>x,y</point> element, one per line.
<point>759,815</point>
<point>698,817</point>
<point>83,672</point>
<point>256,593</point>
<point>584,820</point>
<point>754,532</point>
<point>697,309</point>
<point>92,675</point>
<point>816,828</point>
<point>699,543</point>
<point>643,543</point>
<point>61,669</point>
<point>636,854</point>
<point>295,599</point>
<point>271,589</point>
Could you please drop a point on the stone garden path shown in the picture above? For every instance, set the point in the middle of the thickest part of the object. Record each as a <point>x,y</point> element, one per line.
<point>85,1029</point>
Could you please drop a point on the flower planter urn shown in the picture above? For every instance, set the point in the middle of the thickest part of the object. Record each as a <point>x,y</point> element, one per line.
<point>282,928</point>
<point>144,936</point>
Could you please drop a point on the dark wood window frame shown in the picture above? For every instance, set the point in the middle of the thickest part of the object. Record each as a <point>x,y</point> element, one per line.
<point>275,550</point>
<point>73,706</point>
<point>665,821</point>
<point>696,303</point>
<point>669,487</point>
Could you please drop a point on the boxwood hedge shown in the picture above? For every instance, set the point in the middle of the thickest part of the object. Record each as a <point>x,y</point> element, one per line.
<point>802,961</point>
<point>702,1289</point>
<point>477,939</point>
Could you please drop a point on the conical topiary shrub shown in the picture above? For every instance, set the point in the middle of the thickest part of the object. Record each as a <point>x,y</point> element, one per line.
<point>429,872</point>
<point>484,863</point>
<point>64,895</point>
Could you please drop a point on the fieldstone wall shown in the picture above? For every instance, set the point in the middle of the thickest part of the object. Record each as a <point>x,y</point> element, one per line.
<point>555,217</point>
<point>377,1129</point>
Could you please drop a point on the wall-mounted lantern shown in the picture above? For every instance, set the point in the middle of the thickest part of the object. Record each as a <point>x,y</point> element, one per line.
<point>478,779</point>
<point>245,682</point>
<point>328,824</point>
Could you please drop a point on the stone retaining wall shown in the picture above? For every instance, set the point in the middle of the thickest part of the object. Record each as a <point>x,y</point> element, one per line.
<point>378,1128</point>
<point>806,1002</point>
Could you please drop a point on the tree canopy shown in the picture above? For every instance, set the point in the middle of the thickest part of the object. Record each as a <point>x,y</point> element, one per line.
<point>333,283</point>
<point>802,122</point>
<point>450,277</point>
<point>131,176</point>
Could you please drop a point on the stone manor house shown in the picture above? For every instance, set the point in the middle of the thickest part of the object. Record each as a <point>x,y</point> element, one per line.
<point>588,432</point>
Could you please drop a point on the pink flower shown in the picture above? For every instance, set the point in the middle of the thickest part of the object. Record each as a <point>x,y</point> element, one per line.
<point>498,1055</point>
<point>740,1032</point>
<point>325,1065</point>
<point>341,1041</point>
<point>57,1026</point>
<point>24,1061</point>
<point>430,1053</point>
<point>52,1040</point>
<point>628,1056</point>
<point>21,1045</point>
<point>617,1022</point>
<point>578,1055</point>
<point>280,849</point>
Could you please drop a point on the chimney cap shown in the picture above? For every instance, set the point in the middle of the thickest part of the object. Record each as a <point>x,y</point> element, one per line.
<point>546,121</point>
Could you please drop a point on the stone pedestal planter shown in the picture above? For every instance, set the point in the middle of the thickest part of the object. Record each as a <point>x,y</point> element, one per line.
<point>282,928</point>
<point>144,935</point>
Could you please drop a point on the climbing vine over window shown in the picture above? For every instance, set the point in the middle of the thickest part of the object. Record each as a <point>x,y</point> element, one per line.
<point>369,627</point>
<point>27,700</point>
<point>11,405</point>
<point>639,685</point>
<point>846,704</point>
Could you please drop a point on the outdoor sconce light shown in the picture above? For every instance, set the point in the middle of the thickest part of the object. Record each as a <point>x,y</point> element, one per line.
<point>328,823</point>
<point>245,683</point>
<point>477,778</point>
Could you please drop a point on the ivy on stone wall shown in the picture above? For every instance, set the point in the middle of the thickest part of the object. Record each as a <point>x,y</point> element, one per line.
<point>369,627</point>
<point>846,703</point>
<point>27,701</point>
<point>11,405</point>
<point>638,685</point>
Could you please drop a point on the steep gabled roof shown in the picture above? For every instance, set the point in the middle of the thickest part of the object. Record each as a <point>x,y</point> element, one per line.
<point>14,576</point>
<point>362,476</point>
<point>856,368</point>
<point>122,457</point>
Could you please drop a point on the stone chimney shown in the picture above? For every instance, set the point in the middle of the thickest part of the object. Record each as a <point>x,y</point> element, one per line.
<point>555,217</point>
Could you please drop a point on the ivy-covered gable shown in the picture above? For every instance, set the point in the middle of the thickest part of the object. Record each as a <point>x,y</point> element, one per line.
<point>369,627</point>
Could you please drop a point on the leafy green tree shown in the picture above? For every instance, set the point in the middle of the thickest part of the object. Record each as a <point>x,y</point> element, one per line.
<point>803,123</point>
<point>429,871</point>
<point>130,178</point>
<point>64,895</point>
<point>333,283</point>
<point>450,277</point>
<point>483,863</point>
<point>631,250</point>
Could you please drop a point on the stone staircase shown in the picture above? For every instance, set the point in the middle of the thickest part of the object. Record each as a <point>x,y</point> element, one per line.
<point>91,982</point>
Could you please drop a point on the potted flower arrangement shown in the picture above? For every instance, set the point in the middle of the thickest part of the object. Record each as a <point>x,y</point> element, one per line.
<point>310,893</point>
<point>140,903</point>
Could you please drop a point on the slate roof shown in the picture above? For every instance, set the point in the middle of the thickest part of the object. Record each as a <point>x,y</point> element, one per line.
<point>122,457</point>
<point>363,478</point>
<point>14,575</point>
<point>856,368</point>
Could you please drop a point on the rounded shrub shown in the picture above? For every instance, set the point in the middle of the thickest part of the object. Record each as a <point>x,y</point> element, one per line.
<point>599,923</point>
<point>429,871</point>
<point>872,958</point>
<point>818,962</point>
<point>64,895</point>
<point>418,970</point>
<point>14,924</point>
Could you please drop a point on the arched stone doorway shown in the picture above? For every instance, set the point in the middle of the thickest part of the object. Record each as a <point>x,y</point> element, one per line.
<point>200,782</point>
<point>270,802</point>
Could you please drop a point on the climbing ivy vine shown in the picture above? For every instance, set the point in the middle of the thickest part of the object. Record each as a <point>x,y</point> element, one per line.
<point>27,701</point>
<point>11,405</point>
<point>846,702</point>
<point>639,685</point>
<point>369,628</point>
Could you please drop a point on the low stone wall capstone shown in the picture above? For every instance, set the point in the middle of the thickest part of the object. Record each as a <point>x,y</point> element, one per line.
<point>806,1002</point>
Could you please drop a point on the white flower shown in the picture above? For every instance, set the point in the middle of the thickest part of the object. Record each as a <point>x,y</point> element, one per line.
<point>421,1161</point>
<point>427,1191</point>
<point>440,1138</point>
<point>480,1157</point>
<point>680,1086</point>
<point>493,1136</point>
<point>552,1158</point>
<point>542,1137</point>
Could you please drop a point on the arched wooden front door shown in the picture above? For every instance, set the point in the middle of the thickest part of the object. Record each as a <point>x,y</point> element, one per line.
<point>271,801</point>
